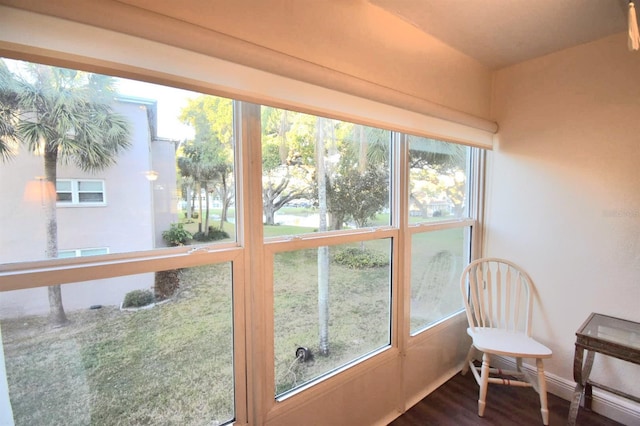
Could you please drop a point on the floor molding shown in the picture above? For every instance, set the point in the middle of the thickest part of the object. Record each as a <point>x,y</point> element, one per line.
<point>604,403</point>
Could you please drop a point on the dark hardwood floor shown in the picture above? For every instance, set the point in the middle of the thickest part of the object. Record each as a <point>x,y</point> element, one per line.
<point>456,403</point>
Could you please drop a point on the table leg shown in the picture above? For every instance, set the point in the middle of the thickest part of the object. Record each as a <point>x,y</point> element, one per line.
<point>586,371</point>
<point>588,396</point>
<point>580,382</point>
<point>575,405</point>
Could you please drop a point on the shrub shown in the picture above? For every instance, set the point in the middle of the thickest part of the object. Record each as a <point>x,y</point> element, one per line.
<point>356,258</point>
<point>215,234</point>
<point>138,298</point>
<point>212,234</point>
<point>166,283</point>
<point>176,235</point>
<point>200,236</point>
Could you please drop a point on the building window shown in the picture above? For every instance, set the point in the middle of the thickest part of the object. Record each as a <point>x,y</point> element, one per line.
<point>75,191</point>
<point>65,254</point>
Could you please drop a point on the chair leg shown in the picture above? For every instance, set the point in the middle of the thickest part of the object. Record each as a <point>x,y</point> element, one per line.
<point>465,367</point>
<point>542,387</point>
<point>484,384</point>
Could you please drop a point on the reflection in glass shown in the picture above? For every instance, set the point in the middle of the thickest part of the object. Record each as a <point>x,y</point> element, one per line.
<point>320,174</point>
<point>168,363</point>
<point>437,261</point>
<point>332,306</point>
<point>438,180</point>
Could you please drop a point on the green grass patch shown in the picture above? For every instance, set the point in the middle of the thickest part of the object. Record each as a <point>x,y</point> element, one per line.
<point>170,365</point>
<point>359,313</point>
<point>283,230</point>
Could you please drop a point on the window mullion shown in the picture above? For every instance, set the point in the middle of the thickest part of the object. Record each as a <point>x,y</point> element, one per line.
<point>75,197</point>
<point>257,333</point>
<point>401,283</point>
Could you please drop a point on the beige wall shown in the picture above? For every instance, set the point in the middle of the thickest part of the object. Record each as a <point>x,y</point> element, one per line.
<point>361,50</point>
<point>352,37</point>
<point>564,190</point>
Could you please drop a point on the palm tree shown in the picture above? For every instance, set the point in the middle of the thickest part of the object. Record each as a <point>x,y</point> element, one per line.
<point>65,116</point>
<point>8,104</point>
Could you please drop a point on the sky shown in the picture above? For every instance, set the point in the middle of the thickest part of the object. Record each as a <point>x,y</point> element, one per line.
<point>170,103</point>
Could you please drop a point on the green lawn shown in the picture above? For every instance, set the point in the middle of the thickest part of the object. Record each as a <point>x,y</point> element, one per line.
<point>168,365</point>
<point>359,312</point>
<point>172,364</point>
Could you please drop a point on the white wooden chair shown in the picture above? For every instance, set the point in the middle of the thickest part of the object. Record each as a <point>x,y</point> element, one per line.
<point>498,301</point>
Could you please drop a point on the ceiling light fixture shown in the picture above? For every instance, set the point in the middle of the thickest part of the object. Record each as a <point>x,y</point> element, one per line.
<point>634,35</point>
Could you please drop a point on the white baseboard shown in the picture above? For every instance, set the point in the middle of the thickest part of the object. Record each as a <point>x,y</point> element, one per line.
<point>609,405</point>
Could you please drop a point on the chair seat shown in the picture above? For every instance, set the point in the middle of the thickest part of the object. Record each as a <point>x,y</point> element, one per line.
<point>508,343</point>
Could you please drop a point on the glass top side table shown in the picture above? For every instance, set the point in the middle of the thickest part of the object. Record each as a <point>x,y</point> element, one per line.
<point>609,336</point>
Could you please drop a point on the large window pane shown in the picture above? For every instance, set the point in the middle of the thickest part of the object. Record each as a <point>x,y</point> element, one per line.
<point>438,180</point>
<point>320,174</point>
<point>170,363</point>
<point>437,260</point>
<point>332,306</point>
<point>137,167</point>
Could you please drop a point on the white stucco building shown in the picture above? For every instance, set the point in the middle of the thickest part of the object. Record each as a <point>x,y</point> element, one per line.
<point>123,208</point>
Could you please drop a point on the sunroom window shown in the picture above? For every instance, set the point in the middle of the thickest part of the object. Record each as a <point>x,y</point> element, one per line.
<point>320,174</point>
<point>439,198</point>
<point>438,180</point>
<point>341,201</point>
<point>160,167</point>
<point>329,176</point>
<point>124,360</point>
<point>137,340</point>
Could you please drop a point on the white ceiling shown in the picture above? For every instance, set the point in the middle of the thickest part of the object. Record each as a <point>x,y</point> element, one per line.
<point>504,32</point>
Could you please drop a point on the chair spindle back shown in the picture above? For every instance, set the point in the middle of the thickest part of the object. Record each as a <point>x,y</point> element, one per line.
<point>496,293</point>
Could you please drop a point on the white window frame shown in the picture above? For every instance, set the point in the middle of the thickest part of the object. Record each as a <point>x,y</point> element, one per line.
<point>75,193</point>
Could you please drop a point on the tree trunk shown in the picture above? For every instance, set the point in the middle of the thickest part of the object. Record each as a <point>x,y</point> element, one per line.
<point>362,155</point>
<point>199,192</point>
<point>283,149</point>
<point>336,221</point>
<point>323,299</point>
<point>323,252</point>
<point>189,201</point>
<point>206,218</point>
<point>269,214</point>
<point>57,316</point>
<point>224,198</point>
